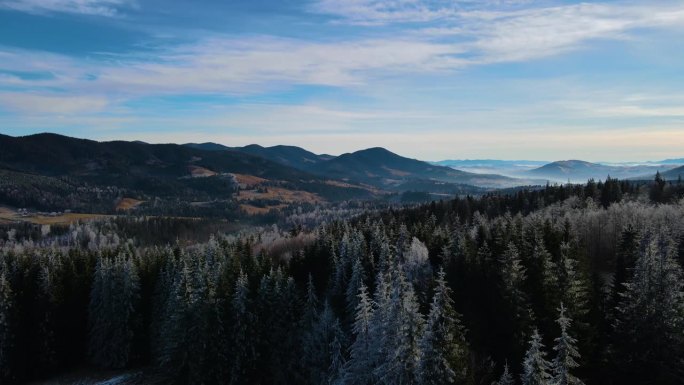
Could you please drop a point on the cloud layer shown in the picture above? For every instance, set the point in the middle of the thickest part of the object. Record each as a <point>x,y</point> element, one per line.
<point>376,66</point>
<point>107,8</point>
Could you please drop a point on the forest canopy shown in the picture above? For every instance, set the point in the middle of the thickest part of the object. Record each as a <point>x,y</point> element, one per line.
<point>561,285</point>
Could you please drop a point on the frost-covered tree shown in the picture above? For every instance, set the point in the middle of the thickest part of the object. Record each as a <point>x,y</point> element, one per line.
<point>513,276</point>
<point>242,338</point>
<point>506,377</point>
<point>417,262</point>
<point>649,329</point>
<point>113,314</point>
<point>359,369</point>
<point>320,349</point>
<point>535,366</point>
<point>566,353</point>
<point>573,286</point>
<point>403,330</point>
<point>444,351</point>
<point>356,281</point>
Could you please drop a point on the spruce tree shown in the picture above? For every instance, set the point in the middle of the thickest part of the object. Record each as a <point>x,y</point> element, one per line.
<point>359,369</point>
<point>535,365</point>
<point>649,329</point>
<point>113,313</point>
<point>356,281</point>
<point>506,377</point>
<point>320,349</point>
<point>444,351</point>
<point>242,344</point>
<point>404,328</point>
<point>566,353</point>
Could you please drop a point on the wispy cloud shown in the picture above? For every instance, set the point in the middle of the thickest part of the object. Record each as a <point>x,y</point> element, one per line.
<point>509,30</point>
<point>107,8</point>
<point>534,33</point>
<point>230,65</point>
<point>412,61</point>
<point>379,12</point>
<point>39,104</point>
<point>233,66</point>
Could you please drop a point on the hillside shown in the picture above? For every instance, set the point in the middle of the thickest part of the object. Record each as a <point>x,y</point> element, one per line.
<point>147,171</point>
<point>511,168</point>
<point>674,173</point>
<point>581,171</point>
<point>380,167</point>
<point>377,167</point>
<point>291,156</point>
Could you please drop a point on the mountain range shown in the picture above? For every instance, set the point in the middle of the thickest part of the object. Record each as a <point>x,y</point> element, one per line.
<point>59,172</point>
<point>201,173</point>
<point>376,167</point>
<point>575,171</point>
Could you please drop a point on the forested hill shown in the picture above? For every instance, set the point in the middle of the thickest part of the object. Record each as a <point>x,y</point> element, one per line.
<point>292,156</point>
<point>54,172</point>
<point>57,155</point>
<point>385,168</point>
<point>376,166</point>
<point>552,286</point>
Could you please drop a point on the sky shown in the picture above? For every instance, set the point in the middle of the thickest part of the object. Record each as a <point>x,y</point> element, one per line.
<point>428,79</point>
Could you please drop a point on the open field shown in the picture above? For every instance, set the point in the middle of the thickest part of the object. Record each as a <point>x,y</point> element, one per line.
<point>280,194</point>
<point>199,172</point>
<point>253,210</point>
<point>128,203</point>
<point>8,215</point>
<point>249,180</point>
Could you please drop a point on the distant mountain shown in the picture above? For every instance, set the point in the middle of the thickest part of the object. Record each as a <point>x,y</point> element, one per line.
<point>383,168</point>
<point>581,171</point>
<point>209,146</point>
<point>677,161</point>
<point>489,163</point>
<point>57,155</point>
<point>674,173</point>
<point>169,170</point>
<point>291,156</point>
<point>377,167</point>
<point>511,168</point>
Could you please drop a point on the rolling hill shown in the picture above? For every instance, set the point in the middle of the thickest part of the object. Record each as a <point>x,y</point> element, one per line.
<point>291,156</point>
<point>376,166</point>
<point>674,173</point>
<point>158,170</point>
<point>383,168</point>
<point>581,171</point>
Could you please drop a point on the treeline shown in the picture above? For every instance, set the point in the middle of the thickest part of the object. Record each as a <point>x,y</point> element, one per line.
<point>550,286</point>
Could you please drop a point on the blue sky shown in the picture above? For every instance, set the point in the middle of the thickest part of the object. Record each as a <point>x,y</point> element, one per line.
<point>431,79</point>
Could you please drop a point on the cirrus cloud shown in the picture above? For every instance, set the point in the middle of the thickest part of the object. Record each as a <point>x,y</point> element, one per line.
<point>107,8</point>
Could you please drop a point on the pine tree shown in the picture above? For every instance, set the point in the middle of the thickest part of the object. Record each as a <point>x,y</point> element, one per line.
<point>113,317</point>
<point>242,336</point>
<point>319,350</point>
<point>404,328</point>
<point>566,353</point>
<point>444,351</point>
<point>574,287</point>
<point>359,369</point>
<point>337,362</point>
<point>512,279</point>
<point>506,377</point>
<point>356,281</point>
<point>649,329</point>
<point>535,365</point>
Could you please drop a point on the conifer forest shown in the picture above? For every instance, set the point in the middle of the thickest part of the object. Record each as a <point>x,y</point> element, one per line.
<point>567,284</point>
